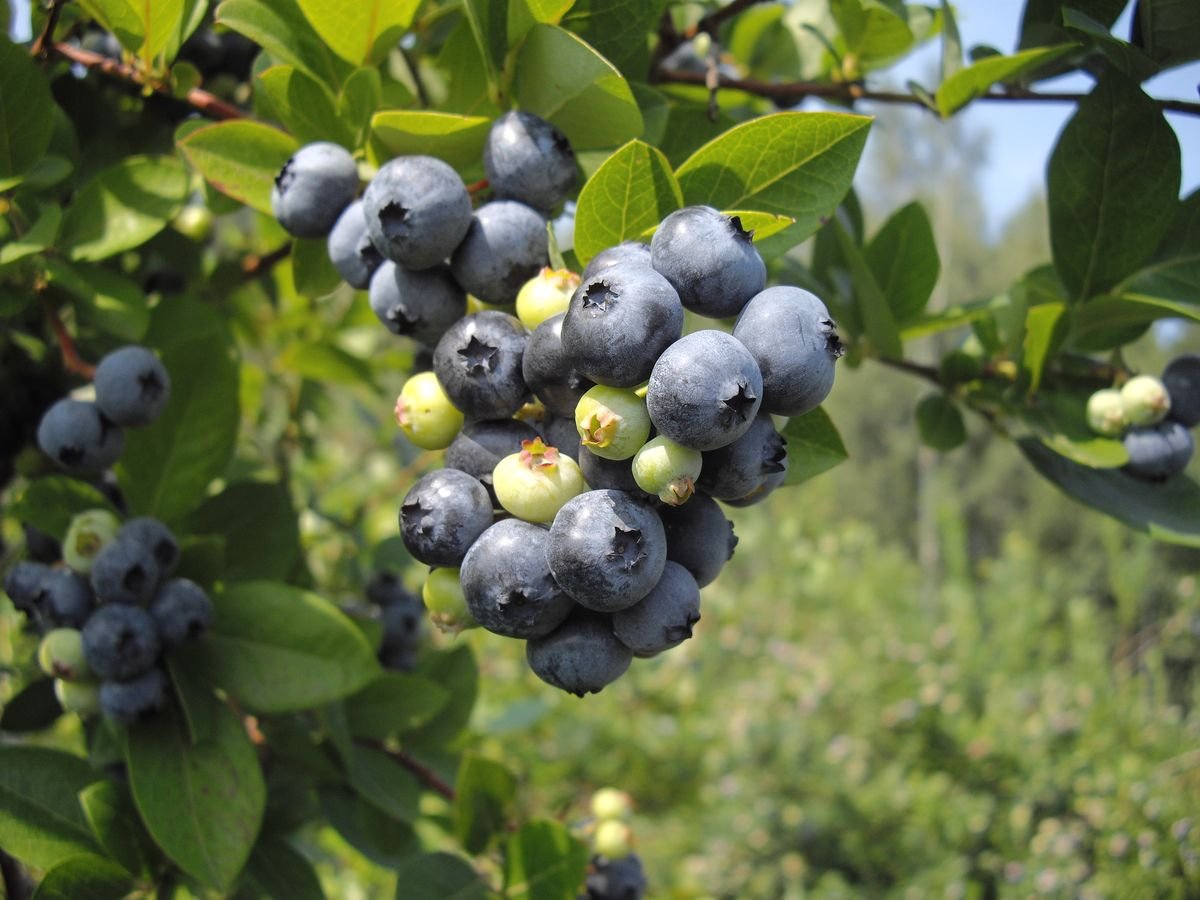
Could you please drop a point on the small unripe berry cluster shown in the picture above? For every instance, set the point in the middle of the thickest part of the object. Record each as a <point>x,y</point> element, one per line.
<point>615,872</point>
<point>109,612</point>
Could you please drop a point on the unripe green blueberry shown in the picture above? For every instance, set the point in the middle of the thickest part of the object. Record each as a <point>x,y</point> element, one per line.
<point>194,221</point>
<point>667,469</point>
<point>425,414</point>
<point>546,294</point>
<point>1106,412</point>
<point>89,533</point>
<point>611,803</point>
<point>534,483</point>
<point>60,655</point>
<point>445,601</point>
<point>613,839</point>
<point>82,697</point>
<point>612,422</point>
<point>1145,400</point>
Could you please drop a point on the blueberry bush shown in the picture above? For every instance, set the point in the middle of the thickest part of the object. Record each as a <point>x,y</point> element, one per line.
<point>344,340</point>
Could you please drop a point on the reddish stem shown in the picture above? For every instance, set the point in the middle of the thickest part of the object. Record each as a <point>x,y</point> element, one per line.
<point>72,361</point>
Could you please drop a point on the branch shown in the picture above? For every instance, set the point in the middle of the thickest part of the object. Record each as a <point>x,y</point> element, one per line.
<point>430,778</point>
<point>72,361</point>
<point>929,373</point>
<point>202,101</point>
<point>254,265</point>
<point>41,47</point>
<point>711,22</point>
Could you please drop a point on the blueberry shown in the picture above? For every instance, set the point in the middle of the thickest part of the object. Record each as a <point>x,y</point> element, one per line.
<point>24,583</point>
<point>402,615</point>
<point>1182,380</point>
<point>182,611</point>
<point>699,537</point>
<point>386,588</point>
<point>420,304</point>
<point>66,598</point>
<point>505,247</point>
<point>662,619</point>
<point>442,515</point>
<point>550,371</point>
<point>535,482</point>
<point>601,473</point>
<point>1156,452</point>
<point>480,445</point>
<point>425,414</point>
<point>618,879</point>
<point>790,335</point>
<point>1106,413</point>
<point>562,434</point>
<point>709,259</point>
<point>132,386</point>
<point>60,655</point>
<point>313,188</point>
<point>1144,400</point>
<point>125,572</point>
<point>350,248</point>
<point>446,602</point>
<point>89,533</point>
<point>607,549</point>
<point>81,697</point>
<point>120,642</point>
<point>417,210</point>
<point>157,538</point>
<point>507,583</point>
<point>79,437</point>
<point>581,656</point>
<point>546,294</point>
<point>478,363</point>
<point>619,322</point>
<point>627,254</point>
<point>664,469</point>
<point>705,390</point>
<point>136,699</point>
<point>735,470</point>
<point>612,422</point>
<point>528,159</point>
<point>769,485</point>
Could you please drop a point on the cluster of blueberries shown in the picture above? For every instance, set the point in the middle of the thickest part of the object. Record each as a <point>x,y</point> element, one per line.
<point>402,615</point>
<point>1152,417</point>
<point>108,612</point>
<point>615,872</point>
<point>85,436</point>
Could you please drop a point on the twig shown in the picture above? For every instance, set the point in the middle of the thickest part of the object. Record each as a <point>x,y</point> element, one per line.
<point>430,778</point>
<point>72,361</point>
<point>41,47</point>
<point>202,101</point>
<point>253,265</point>
<point>711,22</point>
<point>476,186</point>
<point>929,373</point>
<point>418,82</point>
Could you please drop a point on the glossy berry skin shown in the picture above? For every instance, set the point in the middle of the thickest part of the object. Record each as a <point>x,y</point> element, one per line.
<point>1156,452</point>
<point>662,619</point>
<point>478,363</point>
<point>79,437</point>
<point>618,324</point>
<point>626,253</point>
<point>66,598</point>
<point>613,474</point>
<point>182,611</point>
<point>420,305</point>
<point>546,294</point>
<point>735,470</point>
<point>562,434</point>
<point>480,445</point>
<point>505,246</point>
<point>535,482</point>
<point>507,583</point>
<point>132,386</point>
<point>125,572</point>
<point>607,549</point>
<point>442,515</point>
<point>581,656</point>
<point>157,538</point>
<point>789,333</point>
<point>612,422</point>
<point>699,537</point>
<point>769,485</point>
<point>135,700</point>
<point>120,642</point>
<point>417,210</point>
<point>426,414</point>
<point>549,370</point>
<point>666,470</point>
<point>313,188</point>
<point>350,248</point>
<point>705,391</point>
<point>709,259</point>
<point>1181,378</point>
<point>528,159</point>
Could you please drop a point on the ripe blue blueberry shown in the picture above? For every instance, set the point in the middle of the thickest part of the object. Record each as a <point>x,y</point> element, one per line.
<point>736,470</point>
<point>561,433</point>
<point>549,370</point>
<point>132,386</point>
<point>313,188</point>
<point>581,656</point>
<point>442,515</point>
<point>626,253</point>
<point>611,474</point>
<point>1156,452</point>
<point>699,537</point>
<point>420,304</point>
<point>66,599</point>
<point>125,571</point>
<point>120,642</point>
<point>402,614</point>
<point>79,437</point>
<point>505,246</point>
<point>417,210</point>
<point>136,699</point>
<point>157,538</point>
<point>24,584</point>
<point>478,363</point>
<point>350,248</point>
<point>1181,378</point>
<point>616,879</point>
<point>528,159</point>
<point>182,611</point>
<point>709,259</point>
<point>662,619</point>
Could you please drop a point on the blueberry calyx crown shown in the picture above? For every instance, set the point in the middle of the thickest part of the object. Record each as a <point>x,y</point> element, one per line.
<point>597,296</point>
<point>626,548</point>
<point>740,232</point>
<point>739,405</point>
<point>479,357</point>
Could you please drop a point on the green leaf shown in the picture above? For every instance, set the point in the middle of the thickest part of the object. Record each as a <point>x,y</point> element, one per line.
<point>41,823</point>
<point>524,14</point>
<point>394,703</point>
<point>50,503</point>
<point>363,31</point>
<point>109,810</point>
<point>383,782</point>
<point>543,861</point>
<point>240,158</point>
<point>458,140</point>
<point>630,193</point>
<point>203,802</point>
<point>313,275</point>
<point>325,362</point>
<point>305,105</point>
<point>1112,182</point>
<point>278,648</point>
<point>1046,327</point>
<point>281,871</point>
<point>874,31</point>
<point>484,793</point>
<point>617,30</point>
<point>124,206</point>
<point>440,875</point>
<point>361,95</point>
<point>87,877</point>
<point>39,236</point>
<point>488,24</point>
<point>1126,57</point>
<point>258,525</point>
<point>1168,510</point>
<point>106,299</point>
<point>903,256</point>
<point>872,306</point>
<point>469,90</point>
<point>456,671</point>
<point>376,835</point>
<point>952,58</point>
<point>280,28</point>
<point>167,466</point>
<point>1168,30</point>
<point>1106,323</point>
<point>560,78</point>
<point>940,423</point>
<point>25,125</point>
<point>813,445</point>
<point>796,164</point>
<point>34,708</point>
<point>145,28</point>
<point>975,80</point>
